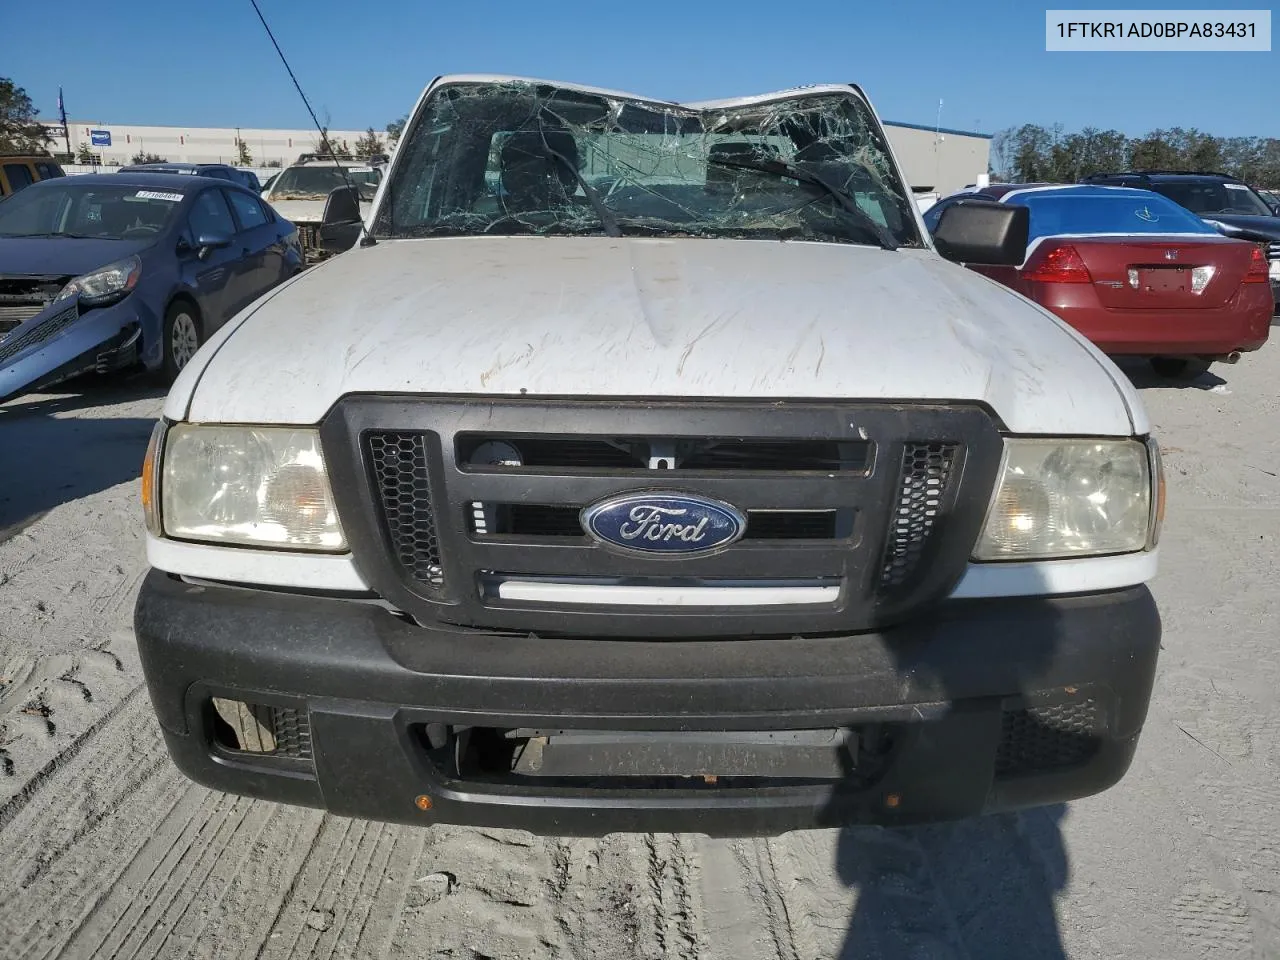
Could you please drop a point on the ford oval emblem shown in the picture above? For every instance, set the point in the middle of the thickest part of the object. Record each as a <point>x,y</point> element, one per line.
<point>664,523</point>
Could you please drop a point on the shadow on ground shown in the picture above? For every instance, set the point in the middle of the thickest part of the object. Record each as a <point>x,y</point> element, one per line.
<point>971,887</point>
<point>50,459</point>
<point>1143,377</point>
<point>978,888</point>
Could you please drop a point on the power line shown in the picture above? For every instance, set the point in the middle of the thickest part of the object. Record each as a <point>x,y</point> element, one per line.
<point>324,136</point>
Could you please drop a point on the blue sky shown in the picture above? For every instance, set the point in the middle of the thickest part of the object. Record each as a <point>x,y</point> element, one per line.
<point>362,63</point>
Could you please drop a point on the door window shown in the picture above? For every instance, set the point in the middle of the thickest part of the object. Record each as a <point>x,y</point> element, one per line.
<point>248,211</point>
<point>209,215</point>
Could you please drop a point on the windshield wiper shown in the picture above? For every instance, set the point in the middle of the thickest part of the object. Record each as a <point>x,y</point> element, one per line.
<point>607,220</point>
<point>780,168</point>
<point>38,236</point>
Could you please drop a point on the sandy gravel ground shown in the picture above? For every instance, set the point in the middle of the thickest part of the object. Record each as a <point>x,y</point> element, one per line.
<point>107,852</point>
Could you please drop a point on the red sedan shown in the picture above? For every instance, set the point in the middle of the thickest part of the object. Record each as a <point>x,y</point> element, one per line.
<point>1136,274</point>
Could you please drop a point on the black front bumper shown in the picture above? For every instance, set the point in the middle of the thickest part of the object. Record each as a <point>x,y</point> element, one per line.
<point>957,688</point>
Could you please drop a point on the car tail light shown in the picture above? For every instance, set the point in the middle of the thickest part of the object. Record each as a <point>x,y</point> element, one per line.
<point>1258,268</point>
<point>1058,265</point>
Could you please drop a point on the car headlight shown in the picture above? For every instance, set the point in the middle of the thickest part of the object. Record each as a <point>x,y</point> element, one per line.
<point>1073,498</point>
<point>251,486</point>
<point>106,285</point>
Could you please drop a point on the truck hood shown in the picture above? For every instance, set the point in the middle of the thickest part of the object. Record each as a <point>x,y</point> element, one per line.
<point>299,211</point>
<point>306,211</point>
<point>595,316</point>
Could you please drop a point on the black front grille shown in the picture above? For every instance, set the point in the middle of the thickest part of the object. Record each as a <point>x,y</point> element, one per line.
<point>12,314</point>
<point>1273,251</point>
<point>543,520</point>
<point>926,470</point>
<point>439,493</point>
<point>398,462</point>
<point>18,340</point>
<point>1041,739</point>
<point>22,297</point>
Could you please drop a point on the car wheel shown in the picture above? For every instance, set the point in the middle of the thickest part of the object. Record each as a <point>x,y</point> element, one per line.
<point>181,338</point>
<point>1179,368</point>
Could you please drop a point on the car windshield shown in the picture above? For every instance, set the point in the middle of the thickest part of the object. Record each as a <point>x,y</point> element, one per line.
<point>65,208</point>
<point>1088,211</point>
<point>519,157</point>
<point>1207,197</point>
<point>317,182</point>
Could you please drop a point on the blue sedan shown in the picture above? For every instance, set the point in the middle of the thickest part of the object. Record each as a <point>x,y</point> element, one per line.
<point>101,272</point>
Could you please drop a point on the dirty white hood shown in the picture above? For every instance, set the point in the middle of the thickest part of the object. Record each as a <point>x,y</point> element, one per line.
<point>299,211</point>
<point>595,316</point>
<point>306,211</point>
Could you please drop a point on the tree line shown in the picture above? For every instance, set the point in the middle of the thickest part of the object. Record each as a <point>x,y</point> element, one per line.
<point>1033,154</point>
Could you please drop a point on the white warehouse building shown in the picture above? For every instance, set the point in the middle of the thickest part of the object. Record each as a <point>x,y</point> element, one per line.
<point>117,143</point>
<point>938,160</point>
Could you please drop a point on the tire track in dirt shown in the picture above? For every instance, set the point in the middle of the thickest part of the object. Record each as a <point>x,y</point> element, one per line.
<point>669,858</point>
<point>603,900</point>
<point>1230,779</point>
<point>730,866</point>
<point>346,896</point>
<point>1227,809</point>
<point>481,894</point>
<point>77,826</point>
<point>816,905</point>
<point>51,703</point>
<point>729,904</point>
<point>161,880</point>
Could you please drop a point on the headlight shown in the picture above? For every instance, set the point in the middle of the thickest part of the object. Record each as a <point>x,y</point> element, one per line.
<point>105,285</point>
<point>254,486</point>
<point>1071,498</point>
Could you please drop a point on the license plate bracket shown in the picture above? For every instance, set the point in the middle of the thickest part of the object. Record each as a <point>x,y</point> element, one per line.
<point>1162,279</point>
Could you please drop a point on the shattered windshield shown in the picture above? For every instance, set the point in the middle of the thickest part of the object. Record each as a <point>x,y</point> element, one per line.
<point>316,183</point>
<point>524,158</point>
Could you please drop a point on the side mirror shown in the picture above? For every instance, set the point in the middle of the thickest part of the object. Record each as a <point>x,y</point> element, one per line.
<point>205,244</point>
<point>983,232</point>
<point>342,222</point>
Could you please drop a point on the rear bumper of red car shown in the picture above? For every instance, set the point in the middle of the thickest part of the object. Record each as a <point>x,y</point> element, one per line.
<point>1242,324</point>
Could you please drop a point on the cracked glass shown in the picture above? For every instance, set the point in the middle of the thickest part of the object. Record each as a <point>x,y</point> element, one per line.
<point>514,157</point>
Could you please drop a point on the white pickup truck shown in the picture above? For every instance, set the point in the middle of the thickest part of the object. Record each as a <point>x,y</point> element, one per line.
<point>646,466</point>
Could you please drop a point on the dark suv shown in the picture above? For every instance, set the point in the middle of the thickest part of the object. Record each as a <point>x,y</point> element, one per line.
<point>1227,202</point>
<point>219,171</point>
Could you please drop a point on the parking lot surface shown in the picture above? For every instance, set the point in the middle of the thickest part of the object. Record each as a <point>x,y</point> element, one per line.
<point>106,851</point>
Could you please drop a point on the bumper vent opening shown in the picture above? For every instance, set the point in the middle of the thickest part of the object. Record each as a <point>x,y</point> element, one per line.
<point>399,465</point>
<point>603,760</point>
<point>262,729</point>
<point>1045,739</point>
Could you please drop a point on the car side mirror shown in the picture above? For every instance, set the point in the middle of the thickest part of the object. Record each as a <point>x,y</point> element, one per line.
<point>983,232</point>
<point>206,243</point>
<point>342,222</point>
